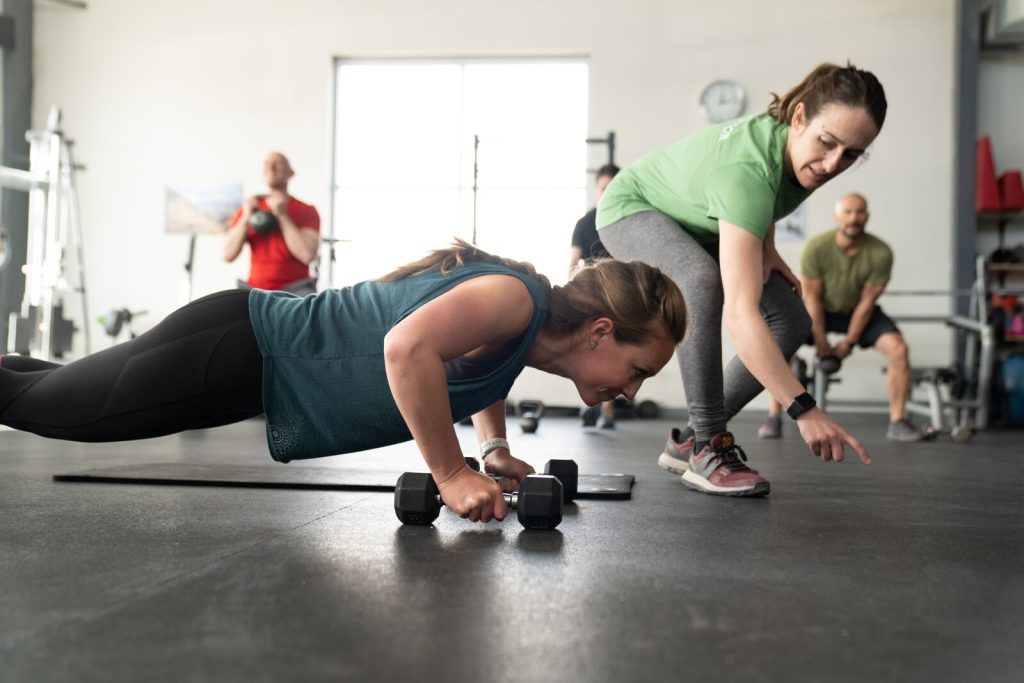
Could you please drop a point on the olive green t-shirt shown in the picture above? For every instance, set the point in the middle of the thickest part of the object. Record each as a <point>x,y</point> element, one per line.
<point>843,277</point>
<point>732,171</point>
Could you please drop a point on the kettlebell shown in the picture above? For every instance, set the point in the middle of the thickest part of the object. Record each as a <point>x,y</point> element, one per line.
<point>530,413</point>
<point>263,222</point>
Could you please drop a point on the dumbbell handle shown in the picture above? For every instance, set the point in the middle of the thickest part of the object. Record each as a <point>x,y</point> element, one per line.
<point>568,477</point>
<point>511,499</point>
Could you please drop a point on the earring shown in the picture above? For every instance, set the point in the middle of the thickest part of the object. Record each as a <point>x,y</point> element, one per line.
<point>593,345</point>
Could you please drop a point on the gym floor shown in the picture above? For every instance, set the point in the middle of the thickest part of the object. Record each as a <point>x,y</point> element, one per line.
<point>908,570</point>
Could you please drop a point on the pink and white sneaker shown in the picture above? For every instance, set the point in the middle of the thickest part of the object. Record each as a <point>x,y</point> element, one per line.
<point>720,469</point>
<point>678,449</point>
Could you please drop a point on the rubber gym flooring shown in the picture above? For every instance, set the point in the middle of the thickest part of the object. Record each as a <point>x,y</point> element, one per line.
<point>908,570</point>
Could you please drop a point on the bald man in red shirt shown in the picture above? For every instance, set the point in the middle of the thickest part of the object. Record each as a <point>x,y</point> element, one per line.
<point>280,257</point>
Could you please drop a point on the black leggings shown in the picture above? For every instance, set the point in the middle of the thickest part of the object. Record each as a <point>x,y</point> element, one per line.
<point>200,367</point>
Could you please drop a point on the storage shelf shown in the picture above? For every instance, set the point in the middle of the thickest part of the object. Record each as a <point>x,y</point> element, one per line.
<point>1000,215</point>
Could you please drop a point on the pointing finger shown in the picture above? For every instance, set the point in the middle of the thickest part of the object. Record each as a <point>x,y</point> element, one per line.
<point>858,447</point>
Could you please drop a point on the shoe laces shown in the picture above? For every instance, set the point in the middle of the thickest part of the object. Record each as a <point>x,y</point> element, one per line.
<point>732,458</point>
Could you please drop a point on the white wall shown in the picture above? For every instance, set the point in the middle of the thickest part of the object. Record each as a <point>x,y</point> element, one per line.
<point>157,92</point>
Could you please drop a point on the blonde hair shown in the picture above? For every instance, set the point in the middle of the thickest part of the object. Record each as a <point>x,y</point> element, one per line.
<point>633,295</point>
<point>829,84</point>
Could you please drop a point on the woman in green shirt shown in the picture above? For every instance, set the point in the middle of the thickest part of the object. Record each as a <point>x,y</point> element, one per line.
<point>703,210</point>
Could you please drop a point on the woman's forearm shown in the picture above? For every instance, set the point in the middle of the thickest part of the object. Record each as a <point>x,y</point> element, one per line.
<point>417,380</point>
<point>760,353</point>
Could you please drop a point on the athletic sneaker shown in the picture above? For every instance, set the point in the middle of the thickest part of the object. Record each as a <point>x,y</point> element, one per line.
<point>678,449</point>
<point>719,469</point>
<point>903,430</point>
<point>771,428</point>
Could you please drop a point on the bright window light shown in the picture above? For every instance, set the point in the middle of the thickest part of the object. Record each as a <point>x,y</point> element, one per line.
<point>407,134</point>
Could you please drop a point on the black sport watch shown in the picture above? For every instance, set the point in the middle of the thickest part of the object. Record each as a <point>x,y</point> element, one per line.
<point>800,405</point>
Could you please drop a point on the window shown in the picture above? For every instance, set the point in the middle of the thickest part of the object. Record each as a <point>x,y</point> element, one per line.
<point>407,134</point>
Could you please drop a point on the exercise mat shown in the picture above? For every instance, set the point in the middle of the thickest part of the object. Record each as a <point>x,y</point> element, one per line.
<point>606,486</point>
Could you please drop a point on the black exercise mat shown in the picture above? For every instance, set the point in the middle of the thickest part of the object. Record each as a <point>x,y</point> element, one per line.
<point>606,486</point>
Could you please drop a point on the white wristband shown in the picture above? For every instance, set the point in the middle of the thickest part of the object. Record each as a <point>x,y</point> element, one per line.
<point>491,444</point>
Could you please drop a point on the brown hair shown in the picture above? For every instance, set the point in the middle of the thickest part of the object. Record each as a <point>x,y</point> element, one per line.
<point>633,295</point>
<point>828,84</point>
<point>458,254</point>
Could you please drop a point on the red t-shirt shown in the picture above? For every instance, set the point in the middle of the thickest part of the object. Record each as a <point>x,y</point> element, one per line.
<point>272,266</point>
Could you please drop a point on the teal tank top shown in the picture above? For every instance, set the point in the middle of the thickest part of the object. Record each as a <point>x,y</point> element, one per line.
<point>325,390</point>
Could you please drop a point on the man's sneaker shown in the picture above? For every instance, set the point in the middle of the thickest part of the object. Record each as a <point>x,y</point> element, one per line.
<point>903,430</point>
<point>719,469</point>
<point>771,428</point>
<point>678,449</point>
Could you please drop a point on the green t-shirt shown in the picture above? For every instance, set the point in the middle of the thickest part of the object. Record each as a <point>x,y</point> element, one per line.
<point>843,277</point>
<point>731,171</point>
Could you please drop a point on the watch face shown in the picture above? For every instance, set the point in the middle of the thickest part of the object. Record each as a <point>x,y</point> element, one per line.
<point>722,100</point>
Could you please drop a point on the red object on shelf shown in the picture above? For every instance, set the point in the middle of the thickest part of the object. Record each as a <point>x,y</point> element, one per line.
<point>1011,191</point>
<point>986,189</point>
<point>1007,302</point>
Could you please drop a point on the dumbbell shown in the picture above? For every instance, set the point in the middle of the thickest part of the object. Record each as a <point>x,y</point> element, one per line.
<point>959,433</point>
<point>538,503</point>
<point>648,410</point>
<point>262,221</point>
<point>566,471</point>
<point>830,364</point>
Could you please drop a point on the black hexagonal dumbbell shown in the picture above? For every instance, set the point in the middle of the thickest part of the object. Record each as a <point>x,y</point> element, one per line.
<point>538,503</point>
<point>566,471</point>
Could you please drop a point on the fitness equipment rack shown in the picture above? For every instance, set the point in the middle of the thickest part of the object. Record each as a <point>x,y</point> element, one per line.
<point>54,222</point>
<point>609,142</point>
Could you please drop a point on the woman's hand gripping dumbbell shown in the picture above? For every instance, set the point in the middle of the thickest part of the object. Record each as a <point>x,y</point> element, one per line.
<point>538,503</point>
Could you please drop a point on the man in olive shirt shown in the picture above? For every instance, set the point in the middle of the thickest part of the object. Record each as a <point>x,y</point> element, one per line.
<point>843,273</point>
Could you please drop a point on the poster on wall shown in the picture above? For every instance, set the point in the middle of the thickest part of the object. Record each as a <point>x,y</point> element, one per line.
<point>200,209</point>
<point>792,227</point>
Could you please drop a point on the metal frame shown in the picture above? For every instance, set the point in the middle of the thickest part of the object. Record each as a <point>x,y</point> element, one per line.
<point>54,222</point>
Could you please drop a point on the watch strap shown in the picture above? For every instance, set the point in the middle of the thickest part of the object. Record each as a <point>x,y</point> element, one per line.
<point>800,405</point>
<point>492,444</point>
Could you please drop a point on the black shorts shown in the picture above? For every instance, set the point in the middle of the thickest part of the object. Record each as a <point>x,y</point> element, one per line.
<point>878,324</point>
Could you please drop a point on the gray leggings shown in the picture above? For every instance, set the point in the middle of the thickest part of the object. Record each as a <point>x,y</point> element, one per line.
<point>712,397</point>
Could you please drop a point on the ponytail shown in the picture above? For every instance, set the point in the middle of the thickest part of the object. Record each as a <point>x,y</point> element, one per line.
<point>828,84</point>
<point>458,254</point>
